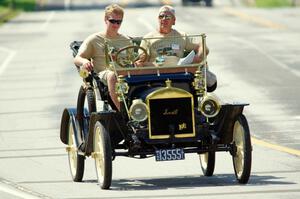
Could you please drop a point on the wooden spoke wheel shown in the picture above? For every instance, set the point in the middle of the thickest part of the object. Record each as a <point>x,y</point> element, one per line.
<point>207,161</point>
<point>242,156</point>
<point>102,155</point>
<point>76,161</point>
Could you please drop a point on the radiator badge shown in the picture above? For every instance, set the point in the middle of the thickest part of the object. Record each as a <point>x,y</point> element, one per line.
<point>182,126</point>
<point>167,112</point>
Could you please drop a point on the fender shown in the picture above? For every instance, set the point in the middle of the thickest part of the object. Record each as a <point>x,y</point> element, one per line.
<point>110,121</point>
<point>67,115</point>
<point>64,124</point>
<point>228,115</point>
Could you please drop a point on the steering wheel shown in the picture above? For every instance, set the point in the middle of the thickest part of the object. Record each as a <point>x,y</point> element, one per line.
<point>128,55</point>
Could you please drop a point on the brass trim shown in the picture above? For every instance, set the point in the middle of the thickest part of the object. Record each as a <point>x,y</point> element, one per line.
<point>169,93</point>
<point>213,97</point>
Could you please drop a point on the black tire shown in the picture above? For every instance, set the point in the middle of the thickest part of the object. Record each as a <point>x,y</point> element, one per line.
<point>207,162</point>
<point>76,161</point>
<point>102,155</point>
<point>86,95</point>
<point>86,99</point>
<point>242,158</point>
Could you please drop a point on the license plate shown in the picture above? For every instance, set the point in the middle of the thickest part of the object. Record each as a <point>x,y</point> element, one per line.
<point>169,154</point>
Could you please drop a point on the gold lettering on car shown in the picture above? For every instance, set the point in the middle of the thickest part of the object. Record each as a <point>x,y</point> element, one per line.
<point>182,126</point>
<point>173,112</point>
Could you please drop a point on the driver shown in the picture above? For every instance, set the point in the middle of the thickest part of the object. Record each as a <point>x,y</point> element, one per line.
<point>91,54</point>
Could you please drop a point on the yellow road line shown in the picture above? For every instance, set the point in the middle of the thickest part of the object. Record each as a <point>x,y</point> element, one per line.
<point>166,2</point>
<point>274,146</point>
<point>258,20</point>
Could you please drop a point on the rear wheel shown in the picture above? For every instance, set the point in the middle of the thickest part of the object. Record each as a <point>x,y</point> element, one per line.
<point>242,157</point>
<point>76,161</point>
<point>86,100</point>
<point>207,161</point>
<point>102,155</point>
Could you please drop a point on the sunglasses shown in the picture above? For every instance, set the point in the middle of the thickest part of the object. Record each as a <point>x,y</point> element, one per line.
<point>115,21</point>
<point>168,17</point>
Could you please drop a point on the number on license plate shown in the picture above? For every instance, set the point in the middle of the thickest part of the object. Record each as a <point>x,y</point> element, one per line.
<point>169,154</point>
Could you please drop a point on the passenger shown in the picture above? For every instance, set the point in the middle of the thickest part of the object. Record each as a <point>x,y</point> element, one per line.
<point>91,54</point>
<point>172,44</point>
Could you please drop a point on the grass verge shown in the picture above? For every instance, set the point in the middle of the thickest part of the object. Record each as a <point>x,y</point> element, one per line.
<point>273,3</point>
<point>11,8</point>
<point>23,5</point>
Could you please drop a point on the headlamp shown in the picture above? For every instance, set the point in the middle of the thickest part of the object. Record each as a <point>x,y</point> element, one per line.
<point>209,105</point>
<point>138,110</point>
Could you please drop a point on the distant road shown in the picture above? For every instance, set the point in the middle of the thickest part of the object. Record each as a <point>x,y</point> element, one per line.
<point>85,4</point>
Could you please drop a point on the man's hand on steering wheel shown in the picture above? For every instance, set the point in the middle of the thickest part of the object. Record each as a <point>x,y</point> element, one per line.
<point>132,56</point>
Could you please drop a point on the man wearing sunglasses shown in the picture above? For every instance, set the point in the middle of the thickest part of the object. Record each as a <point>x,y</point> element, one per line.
<point>91,54</point>
<point>172,44</point>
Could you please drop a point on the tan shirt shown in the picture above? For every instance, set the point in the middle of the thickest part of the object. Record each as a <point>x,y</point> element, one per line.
<point>171,44</point>
<point>93,48</point>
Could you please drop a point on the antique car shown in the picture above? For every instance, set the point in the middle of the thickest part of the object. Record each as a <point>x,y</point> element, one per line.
<point>208,3</point>
<point>167,111</point>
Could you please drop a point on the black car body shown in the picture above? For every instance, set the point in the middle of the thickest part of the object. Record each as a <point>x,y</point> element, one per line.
<point>166,112</point>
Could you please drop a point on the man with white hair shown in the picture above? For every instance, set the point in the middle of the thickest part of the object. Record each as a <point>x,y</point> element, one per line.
<point>173,42</point>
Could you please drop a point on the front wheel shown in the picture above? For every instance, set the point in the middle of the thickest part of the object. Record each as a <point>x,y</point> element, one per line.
<point>242,157</point>
<point>76,161</point>
<point>207,161</point>
<point>102,155</point>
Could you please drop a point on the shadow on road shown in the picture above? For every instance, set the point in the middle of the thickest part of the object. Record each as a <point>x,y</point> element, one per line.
<point>258,179</point>
<point>183,182</point>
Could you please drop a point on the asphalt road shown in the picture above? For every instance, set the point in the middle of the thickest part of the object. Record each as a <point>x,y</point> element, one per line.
<point>254,52</point>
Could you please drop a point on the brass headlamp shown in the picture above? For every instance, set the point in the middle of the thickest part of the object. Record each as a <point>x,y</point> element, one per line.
<point>138,110</point>
<point>209,105</point>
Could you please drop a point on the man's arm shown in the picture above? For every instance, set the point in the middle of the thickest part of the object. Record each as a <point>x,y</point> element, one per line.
<point>200,53</point>
<point>85,63</point>
<point>142,57</point>
<point>83,57</point>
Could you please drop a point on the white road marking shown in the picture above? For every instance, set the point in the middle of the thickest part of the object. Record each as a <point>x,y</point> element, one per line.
<point>46,23</point>
<point>15,191</point>
<point>277,62</point>
<point>11,54</point>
